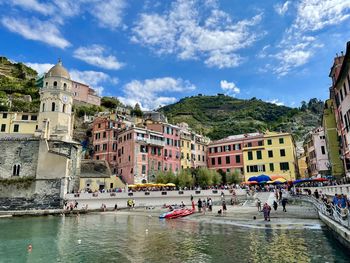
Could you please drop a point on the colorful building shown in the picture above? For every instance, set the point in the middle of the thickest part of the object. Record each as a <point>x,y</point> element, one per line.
<point>316,153</point>
<point>302,165</point>
<point>227,154</point>
<point>185,140</point>
<point>82,93</point>
<point>271,154</point>
<point>340,92</point>
<point>171,151</point>
<point>332,139</point>
<point>199,151</point>
<point>104,134</point>
<point>18,123</point>
<point>140,154</point>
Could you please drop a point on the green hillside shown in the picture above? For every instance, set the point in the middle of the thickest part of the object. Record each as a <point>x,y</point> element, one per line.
<point>17,81</point>
<point>221,116</point>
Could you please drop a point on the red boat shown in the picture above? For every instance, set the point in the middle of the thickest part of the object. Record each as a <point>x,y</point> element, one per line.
<point>179,213</point>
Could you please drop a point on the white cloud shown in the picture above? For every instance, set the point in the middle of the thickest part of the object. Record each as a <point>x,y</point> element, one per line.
<point>299,43</point>
<point>281,9</point>
<point>109,13</point>
<point>187,33</point>
<point>41,68</point>
<point>149,93</point>
<point>34,29</point>
<point>89,77</point>
<point>96,55</point>
<point>229,87</point>
<point>33,5</point>
<point>317,14</point>
<point>277,102</point>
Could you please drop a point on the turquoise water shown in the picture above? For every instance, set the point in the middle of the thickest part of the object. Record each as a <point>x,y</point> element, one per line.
<point>124,238</point>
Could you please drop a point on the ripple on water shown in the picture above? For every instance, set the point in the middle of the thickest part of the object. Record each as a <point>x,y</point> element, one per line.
<point>123,238</point>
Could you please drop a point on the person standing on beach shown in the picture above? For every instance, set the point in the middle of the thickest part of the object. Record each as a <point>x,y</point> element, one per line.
<point>210,205</point>
<point>284,203</point>
<point>224,208</point>
<point>275,205</point>
<point>266,210</point>
<point>199,204</point>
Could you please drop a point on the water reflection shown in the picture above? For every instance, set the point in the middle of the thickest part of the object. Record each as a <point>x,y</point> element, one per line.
<point>130,238</point>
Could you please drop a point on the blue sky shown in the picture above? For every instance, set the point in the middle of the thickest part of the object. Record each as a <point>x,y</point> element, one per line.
<point>155,52</point>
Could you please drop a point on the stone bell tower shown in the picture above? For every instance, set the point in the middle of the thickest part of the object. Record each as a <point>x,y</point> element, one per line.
<point>56,101</point>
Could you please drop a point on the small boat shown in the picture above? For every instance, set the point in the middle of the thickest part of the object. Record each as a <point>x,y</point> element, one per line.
<point>176,213</point>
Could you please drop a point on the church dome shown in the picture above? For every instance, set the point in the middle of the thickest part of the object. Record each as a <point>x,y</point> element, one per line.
<point>58,71</point>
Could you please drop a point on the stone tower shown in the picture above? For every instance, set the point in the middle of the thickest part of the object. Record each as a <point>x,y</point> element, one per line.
<point>56,101</point>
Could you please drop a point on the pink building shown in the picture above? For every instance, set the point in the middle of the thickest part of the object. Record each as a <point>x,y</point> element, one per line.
<point>105,132</point>
<point>340,92</point>
<point>140,154</point>
<point>316,153</point>
<point>84,94</point>
<point>172,152</point>
<point>227,154</point>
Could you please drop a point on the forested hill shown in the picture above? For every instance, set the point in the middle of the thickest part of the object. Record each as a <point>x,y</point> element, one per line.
<point>220,116</point>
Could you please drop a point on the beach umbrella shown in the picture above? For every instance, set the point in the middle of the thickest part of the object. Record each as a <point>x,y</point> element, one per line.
<point>251,182</point>
<point>274,177</point>
<point>280,180</point>
<point>132,186</point>
<point>253,178</point>
<point>270,182</point>
<point>170,184</point>
<point>262,178</point>
<point>320,179</point>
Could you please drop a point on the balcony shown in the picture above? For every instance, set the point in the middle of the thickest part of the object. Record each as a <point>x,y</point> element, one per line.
<point>150,141</point>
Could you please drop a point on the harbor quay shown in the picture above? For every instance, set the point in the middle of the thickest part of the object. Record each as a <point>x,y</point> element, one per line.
<point>151,198</point>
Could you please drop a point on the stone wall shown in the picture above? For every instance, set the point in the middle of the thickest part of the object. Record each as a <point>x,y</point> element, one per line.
<point>19,196</point>
<point>23,152</point>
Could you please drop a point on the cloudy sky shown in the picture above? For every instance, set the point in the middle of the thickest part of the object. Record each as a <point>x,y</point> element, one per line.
<point>155,52</point>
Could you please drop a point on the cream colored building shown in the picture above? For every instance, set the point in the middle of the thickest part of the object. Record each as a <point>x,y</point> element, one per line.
<point>18,123</point>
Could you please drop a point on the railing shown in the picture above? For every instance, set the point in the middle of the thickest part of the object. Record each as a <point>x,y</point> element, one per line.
<point>150,141</point>
<point>340,215</point>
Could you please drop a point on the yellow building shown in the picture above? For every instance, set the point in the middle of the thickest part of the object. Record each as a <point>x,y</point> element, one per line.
<point>96,175</point>
<point>185,138</point>
<point>302,167</point>
<point>272,154</point>
<point>18,123</point>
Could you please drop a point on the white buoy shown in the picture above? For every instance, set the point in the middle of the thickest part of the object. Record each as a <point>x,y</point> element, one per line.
<point>79,241</point>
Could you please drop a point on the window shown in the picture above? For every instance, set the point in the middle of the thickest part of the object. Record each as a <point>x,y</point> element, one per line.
<point>143,157</point>
<point>260,143</point>
<point>250,155</point>
<point>104,147</point>
<point>43,107</point>
<point>3,127</point>
<point>258,155</point>
<point>53,106</point>
<point>25,117</point>
<point>283,152</point>
<point>227,159</point>
<point>212,161</point>
<point>143,169</point>
<point>238,159</point>
<point>269,142</point>
<point>55,84</point>
<point>281,140</point>
<point>284,166</point>
<point>227,148</point>
<point>4,115</point>
<point>64,108</point>
<point>64,86</point>
<point>219,160</point>
<point>16,128</point>
<point>341,95</point>
<point>323,150</point>
<point>104,135</point>
<point>33,117</point>
<point>270,153</point>
<point>272,168</point>
<point>16,170</point>
<point>249,144</point>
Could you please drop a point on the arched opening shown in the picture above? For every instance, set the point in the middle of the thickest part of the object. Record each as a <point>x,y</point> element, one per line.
<point>43,107</point>
<point>46,84</point>
<point>16,170</point>
<point>64,108</point>
<point>55,84</point>
<point>64,86</point>
<point>53,106</point>
<point>144,181</point>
